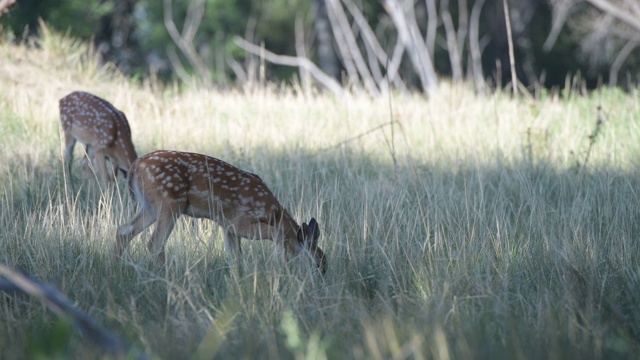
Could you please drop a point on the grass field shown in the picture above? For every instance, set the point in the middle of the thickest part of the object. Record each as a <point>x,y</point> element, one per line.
<point>475,226</point>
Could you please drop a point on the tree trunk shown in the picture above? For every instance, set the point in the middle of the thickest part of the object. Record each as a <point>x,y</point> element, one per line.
<point>114,39</point>
<point>327,59</point>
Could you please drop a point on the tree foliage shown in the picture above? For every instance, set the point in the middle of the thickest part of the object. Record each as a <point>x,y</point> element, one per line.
<point>553,39</point>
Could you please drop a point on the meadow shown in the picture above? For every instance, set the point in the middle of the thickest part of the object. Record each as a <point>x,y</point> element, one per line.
<point>459,226</point>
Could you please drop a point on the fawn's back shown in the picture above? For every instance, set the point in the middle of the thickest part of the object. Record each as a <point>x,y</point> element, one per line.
<point>205,187</point>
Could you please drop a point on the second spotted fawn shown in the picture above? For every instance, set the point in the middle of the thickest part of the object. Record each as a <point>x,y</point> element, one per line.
<point>103,129</point>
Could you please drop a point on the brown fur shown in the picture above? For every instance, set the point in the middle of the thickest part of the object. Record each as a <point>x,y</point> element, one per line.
<point>168,184</point>
<point>103,129</point>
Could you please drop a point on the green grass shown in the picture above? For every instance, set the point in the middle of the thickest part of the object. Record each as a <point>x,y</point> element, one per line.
<point>490,236</point>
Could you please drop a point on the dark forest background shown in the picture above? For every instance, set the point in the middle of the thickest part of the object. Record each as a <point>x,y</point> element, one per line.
<point>368,44</point>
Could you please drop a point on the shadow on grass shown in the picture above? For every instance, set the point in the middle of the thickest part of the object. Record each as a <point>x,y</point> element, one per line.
<point>491,260</point>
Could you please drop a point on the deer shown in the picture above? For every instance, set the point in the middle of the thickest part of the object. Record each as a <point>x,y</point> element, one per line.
<point>167,184</point>
<point>103,129</point>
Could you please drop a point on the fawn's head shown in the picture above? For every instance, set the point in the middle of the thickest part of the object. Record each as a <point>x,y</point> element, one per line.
<point>308,235</point>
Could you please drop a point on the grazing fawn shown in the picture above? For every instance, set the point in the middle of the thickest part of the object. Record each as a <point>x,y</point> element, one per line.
<point>167,184</point>
<point>103,129</point>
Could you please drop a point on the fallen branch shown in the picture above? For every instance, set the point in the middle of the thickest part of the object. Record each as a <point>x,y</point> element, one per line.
<point>361,135</point>
<point>58,303</point>
<point>324,79</point>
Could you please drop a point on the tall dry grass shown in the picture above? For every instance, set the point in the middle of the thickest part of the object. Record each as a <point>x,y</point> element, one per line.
<point>473,227</point>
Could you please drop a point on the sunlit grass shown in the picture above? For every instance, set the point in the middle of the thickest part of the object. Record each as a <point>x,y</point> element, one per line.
<point>470,228</point>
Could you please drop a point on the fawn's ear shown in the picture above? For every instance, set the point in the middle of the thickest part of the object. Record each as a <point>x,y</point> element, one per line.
<point>313,230</point>
<point>309,234</point>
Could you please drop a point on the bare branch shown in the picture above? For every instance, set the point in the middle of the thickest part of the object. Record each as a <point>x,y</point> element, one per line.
<point>512,60</point>
<point>394,65</point>
<point>374,66</point>
<point>324,79</point>
<point>624,15</point>
<point>432,26</point>
<point>423,55</point>
<point>376,53</point>
<point>5,6</point>
<point>373,45</point>
<point>251,61</point>
<point>237,69</point>
<point>620,59</point>
<point>184,42</point>
<point>560,14</point>
<point>177,64</point>
<point>474,46</point>
<point>452,43</point>
<point>195,12</point>
<point>409,34</point>
<point>351,46</point>
<point>341,42</point>
<point>463,23</point>
<point>359,136</point>
<point>634,5</point>
<point>301,52</point>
